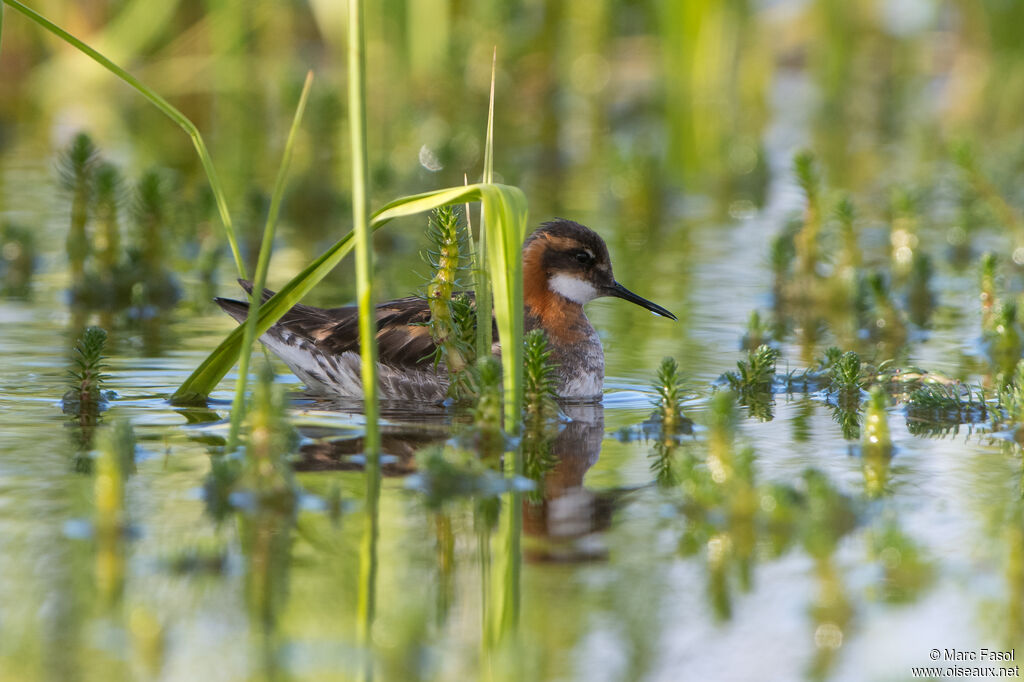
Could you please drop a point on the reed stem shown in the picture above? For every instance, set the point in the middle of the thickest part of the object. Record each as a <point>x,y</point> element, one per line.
<point>367,329</point>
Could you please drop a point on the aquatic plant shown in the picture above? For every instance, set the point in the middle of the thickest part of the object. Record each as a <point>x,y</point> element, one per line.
<point>848,374</point>
<point>18,256</point>
<point>154,283</point>
<point>753,380</point>
<point>805,169</point>
<point>448,329</point>
<point>1011,395</point>
<point>540,409</point>
<point>757,373</point>
<point>270,438</point>
<point>539,381</point>
<point>920,299</point>
<point>722,423</point>
<point>1004,340</point>
<point>967,161</point>
<point>850,255</point>
<point>758,332</point>
<point>906,573</point>
<point>114,462</point>
<point>668,387</point>
<point>486,434</point>
<point>989,289</point>
<point>947,402</point>
<point>903,240</point>
<point>876,440</point>
<point>445,473</point>
<point>885,321</point>
<point>85,395</point>
<point>77,163</point>
<point>109,188</point>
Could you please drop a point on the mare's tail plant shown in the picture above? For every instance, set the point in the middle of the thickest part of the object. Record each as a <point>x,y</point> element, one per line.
<point>448,327</point>
<point>269,441</point>
<point>108,234</point>
<point>668,404</point>
<point>539,408</point>
<point>77,165</point>
<point>539,381</point>
<point>753,380</point>
<point>487,434</point>
<point>876,443</point>
<point>85,396</point>
<point>806,170</point>
<point>757,373</point>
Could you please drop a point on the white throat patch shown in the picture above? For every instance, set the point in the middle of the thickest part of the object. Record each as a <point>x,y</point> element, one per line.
<point>573,288</point>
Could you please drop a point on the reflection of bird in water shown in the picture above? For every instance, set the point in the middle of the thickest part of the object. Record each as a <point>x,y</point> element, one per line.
<point>564,522</point>
<point>564,266</point>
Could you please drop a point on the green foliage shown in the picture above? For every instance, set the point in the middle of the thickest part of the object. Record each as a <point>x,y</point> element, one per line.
<point>806,241</point>
<point>269,440</point>
<point>876,439</point>
<point>109,187</point>
<point>906,573</point>
<point>758,332</point>
<point>18,256</point>
<point>114,463</point>
<point>668,387</point>
<point>445,473</point>
<point>948,401</point>
<point>757,373</point>
<point>988,275</point>
<point>540,378</point>
<point>753,380</point>
<point>847,372</point>
<point>77,164</point>
<point>1011,395</point>
<point>85,393</point>
<point>486,434</point>
<point>885,321</point>
<point>453,333</point>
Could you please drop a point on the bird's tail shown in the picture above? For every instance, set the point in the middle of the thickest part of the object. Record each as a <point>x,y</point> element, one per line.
<point>240,309</point>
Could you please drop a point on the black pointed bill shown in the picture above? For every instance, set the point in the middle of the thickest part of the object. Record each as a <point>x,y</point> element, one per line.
<point>619,291</point>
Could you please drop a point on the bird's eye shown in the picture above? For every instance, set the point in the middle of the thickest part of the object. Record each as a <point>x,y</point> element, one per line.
<point>583,258</point>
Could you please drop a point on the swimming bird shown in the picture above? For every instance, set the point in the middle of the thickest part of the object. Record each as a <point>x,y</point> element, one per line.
<point>565,265</point>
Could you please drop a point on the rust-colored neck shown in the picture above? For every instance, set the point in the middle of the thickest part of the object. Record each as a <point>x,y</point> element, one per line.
<point>559,317</point>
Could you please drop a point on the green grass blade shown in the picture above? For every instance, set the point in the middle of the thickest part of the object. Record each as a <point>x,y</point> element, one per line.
<point>1,24</point>
<point>482,285</point>
<point>506,213</point>
<point>367,332</point>
<point>160,103</point>
<point>262,265</point>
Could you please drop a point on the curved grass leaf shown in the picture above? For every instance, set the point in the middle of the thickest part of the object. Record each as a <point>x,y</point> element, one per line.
<point>505,213</point>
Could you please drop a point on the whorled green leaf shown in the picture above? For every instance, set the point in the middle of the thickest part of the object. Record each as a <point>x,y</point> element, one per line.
<point>505,213</point>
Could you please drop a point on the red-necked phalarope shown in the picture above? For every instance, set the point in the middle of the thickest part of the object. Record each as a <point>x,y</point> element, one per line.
<point>565,265</point>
